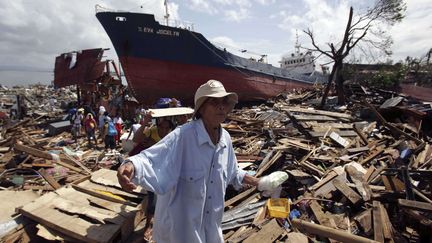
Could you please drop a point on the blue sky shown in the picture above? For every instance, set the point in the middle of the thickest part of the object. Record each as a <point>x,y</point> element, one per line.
<point>35,31</point>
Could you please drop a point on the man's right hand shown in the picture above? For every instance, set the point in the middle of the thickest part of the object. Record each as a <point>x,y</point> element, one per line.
<point>125,173</point>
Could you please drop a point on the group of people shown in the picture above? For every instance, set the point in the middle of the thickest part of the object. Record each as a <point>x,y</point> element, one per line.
<point>189,169</point>
<point>110,129</point>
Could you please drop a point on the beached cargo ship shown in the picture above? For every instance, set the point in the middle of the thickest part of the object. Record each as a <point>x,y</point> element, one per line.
<point>165,61</point>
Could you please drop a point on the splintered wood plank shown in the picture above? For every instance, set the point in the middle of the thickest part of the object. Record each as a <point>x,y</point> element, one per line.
<point>387,226</point>
<point>240,196</point>
<point>336,235</point>
<point>319,125</point>
<point>420,206</point>
<point>340,140</point>
<point>377,222</point>
<point>44,212</point>
<point>32,151</point>
<point>347,191</point>
<point>71,167</point>
<point>114,190</point>
<point>13,199</point>
<point>342,133</point>
<point>361,184</point>
<point>392,183</point>
<point>95,193</point>
<point>294,143</point>
<point>369,172</point>
<point>297,237</point>
<point>268,233</point>
<point>68,158</point>
<point>49,179</point>
<point>313,118</point>
<point>131,216</point>
<point>71,194</point>
<point>267,165</point>
<point>361,135</point>
<point>109,178</point>
<point>321,216</point>
<point>358,150</point>
<point>372,156</point>
<point>320,112</point>
<point>364,219</point>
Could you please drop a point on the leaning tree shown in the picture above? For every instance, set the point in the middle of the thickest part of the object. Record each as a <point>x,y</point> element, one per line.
<point>365,28</point>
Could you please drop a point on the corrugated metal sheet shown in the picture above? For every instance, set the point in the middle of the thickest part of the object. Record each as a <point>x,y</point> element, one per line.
<point>240,216</point>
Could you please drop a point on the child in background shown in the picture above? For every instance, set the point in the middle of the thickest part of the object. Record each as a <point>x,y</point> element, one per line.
<point>90,128</point>
<point>118,122</point>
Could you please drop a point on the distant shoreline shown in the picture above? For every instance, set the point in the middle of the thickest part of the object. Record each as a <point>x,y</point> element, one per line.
<point>10,78</point>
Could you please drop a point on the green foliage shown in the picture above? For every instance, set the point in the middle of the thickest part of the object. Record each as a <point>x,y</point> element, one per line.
<point>388,79</point>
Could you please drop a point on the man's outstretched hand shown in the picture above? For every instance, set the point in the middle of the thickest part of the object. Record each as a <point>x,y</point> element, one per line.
<point>125,174</point>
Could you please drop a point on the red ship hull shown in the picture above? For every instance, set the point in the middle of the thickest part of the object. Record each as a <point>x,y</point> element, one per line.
<point>181,80</point>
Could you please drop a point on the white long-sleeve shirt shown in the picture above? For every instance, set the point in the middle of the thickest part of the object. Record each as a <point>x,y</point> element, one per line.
<point>190,175</point>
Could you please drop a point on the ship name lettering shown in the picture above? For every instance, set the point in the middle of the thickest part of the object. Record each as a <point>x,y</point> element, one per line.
<point>145,29</point>
<point>168,32</point>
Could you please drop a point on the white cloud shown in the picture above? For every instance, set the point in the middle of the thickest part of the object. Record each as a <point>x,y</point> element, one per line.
<point>225,42</point>
<point>237,16</point>
<point>241,3</point>
<point>409,36</point>
<point>203,6</point>
<point>34,32</point>
<point>265,2</point>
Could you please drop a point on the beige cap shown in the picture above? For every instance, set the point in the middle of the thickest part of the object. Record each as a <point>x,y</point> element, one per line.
<point>212,88</point>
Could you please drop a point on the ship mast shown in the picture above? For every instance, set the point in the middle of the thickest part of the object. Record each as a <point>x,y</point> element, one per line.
<point>166,12</point>
<point>297,45</point>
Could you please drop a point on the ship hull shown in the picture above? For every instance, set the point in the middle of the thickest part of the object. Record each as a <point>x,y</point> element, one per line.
<point>151,79</point>
<point>163,61</point>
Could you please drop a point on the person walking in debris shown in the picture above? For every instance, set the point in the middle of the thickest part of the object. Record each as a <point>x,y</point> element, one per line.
<point>90,128</point>
<point>77,123</point>
<point>134,128</point>
<point>102,118</point>
<point>190,169</point>
<point>109,133</point>
<point>118,122</point>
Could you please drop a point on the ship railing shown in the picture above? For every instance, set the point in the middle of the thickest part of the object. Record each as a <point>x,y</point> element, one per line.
<point>176,23</point>
<point>171,22</point>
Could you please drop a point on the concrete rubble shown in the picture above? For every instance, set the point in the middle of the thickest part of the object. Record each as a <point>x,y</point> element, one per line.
<point>359,173</point>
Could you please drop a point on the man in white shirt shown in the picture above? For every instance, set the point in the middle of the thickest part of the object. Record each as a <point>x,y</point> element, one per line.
<point>189,170</point>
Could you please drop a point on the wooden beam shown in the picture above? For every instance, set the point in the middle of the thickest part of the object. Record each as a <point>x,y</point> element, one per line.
<point>324,231</point>
<point>420,206</point>
<point>240,196</point>
<point>320,112</point>
<point>268,164</point>
<point>103,196</point>
<point>372,156</point>
<point>347,191</point>
<point>268,233</point>
<point>387,225</point>
<point>320,215</point>
<point>377,222</point>
<point>49,179</point>
<point>32,151</point>
<point>391,126</point>
<point>361,184</point>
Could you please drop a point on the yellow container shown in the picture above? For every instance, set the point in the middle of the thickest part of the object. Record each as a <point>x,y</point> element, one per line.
<point>278,207</point>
